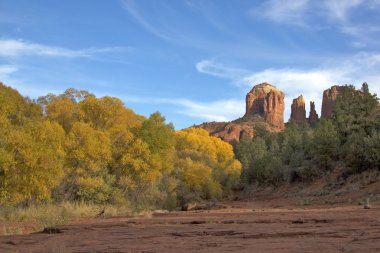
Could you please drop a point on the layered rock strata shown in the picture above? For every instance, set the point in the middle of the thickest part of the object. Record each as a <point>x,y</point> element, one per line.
<point>266,101</point>
<point>229,131</point>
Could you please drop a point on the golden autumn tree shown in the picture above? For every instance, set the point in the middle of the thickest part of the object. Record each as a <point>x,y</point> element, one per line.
<point>136,169</point>
<point>31,150</point>
<point>31,161</point>
<point>107,112</point>
<point>64,108</point>
<point>205,164</point>
<point>88,153</point>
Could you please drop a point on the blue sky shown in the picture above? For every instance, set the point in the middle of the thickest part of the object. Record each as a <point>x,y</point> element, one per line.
<point>192,60</point>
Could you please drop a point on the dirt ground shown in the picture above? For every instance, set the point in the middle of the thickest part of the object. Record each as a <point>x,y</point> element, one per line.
<point>326,216</point>
<point>241,227</point>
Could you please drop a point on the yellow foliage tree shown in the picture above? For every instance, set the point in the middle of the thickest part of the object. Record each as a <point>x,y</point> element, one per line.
<point>136,169</point>
<point>205,164</point>
<point>108,112</point>
<point>64,111</point>
<point>88,156</point>
<point>31,161</point>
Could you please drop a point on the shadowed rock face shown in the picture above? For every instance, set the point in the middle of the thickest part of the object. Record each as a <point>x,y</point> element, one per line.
<point>313,116</point>
<point>266,101</point>
<point>329,100</point>
<point>298,113</point>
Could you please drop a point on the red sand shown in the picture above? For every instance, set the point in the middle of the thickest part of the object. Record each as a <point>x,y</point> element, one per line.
<point>241,228</point>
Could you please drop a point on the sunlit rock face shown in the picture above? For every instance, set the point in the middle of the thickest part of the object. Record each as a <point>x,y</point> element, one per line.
<point>266,101</point>
<point>229,131</point>
<point>264,109</point>
<point>298,113</point>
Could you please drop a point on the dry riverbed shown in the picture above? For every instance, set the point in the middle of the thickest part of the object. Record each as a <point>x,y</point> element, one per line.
<point>241,227</point>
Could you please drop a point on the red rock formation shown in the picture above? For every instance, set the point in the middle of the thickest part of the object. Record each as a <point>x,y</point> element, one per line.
<point>264,108</point>
<point>298,113</point>
<point>266,101</point>
<point>229,131</point>
<point>329,100</point>
<point>313,116</point>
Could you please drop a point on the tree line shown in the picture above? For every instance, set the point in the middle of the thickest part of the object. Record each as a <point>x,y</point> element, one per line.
<point>350,139</point>
<point>77,147</point>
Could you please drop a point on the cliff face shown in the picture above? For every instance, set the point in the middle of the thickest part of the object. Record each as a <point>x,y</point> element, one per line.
<point>298,113</point>
<point>313,116</point>
<point>329,100</point>
<point>266,101</point>
<point>229,131</point>
<point>264,108</point>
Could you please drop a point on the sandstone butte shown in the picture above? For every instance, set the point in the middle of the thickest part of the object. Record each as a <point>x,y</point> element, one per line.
<point>329,100</point>
<point>313,116</point>
<point>264,108</point>
<point>298,113</point>
<point>266,101</point>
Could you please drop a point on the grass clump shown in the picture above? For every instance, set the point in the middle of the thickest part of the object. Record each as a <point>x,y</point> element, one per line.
<point>36,217</point>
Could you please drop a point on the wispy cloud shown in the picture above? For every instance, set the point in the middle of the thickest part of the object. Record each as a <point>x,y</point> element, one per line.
<point>294,11</point>
<point>339,9</point>
<point>309,82</point>
<point>5,70</point>
<point>15,48</point>
<point>283,11</point>
<point>330,13</point>
<point>210,67</point>
<point>211,111</point>
<point>342,12</point>
<point>9,75</point>
<point>205,111</point>
<point>130,7</point>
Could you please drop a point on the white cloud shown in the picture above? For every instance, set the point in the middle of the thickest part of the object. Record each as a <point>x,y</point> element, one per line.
<point>8,76</point>
<point>295,11</point>
<point>222,110</point>
<point>283,11</point>
<point>311,82</point>
<point>207,111</point>
<point>130,7</point>
<point>15,48</point>
<point>5,70</point>
<point>219,70</point>
<point>339,9</point>
<point>329,14</point>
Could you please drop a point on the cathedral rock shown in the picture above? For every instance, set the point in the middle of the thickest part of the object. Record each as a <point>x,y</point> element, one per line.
<point>264,109</point>
<point>298,113</point>
<point>266,101</point>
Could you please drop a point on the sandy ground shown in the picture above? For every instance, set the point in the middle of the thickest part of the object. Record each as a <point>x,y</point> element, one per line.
<point>242,227</point>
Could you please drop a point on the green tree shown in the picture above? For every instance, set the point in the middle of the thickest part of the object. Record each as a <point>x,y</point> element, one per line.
<point>160,138</point>
<point>325,145</point>
<point>356,117</point>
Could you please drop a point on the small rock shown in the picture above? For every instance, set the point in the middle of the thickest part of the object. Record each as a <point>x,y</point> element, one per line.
<point>189,206</point>
<point>51,230</point>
